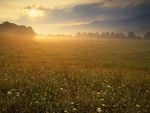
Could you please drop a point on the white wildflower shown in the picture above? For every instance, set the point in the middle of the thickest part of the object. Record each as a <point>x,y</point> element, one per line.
<point>12,89</point>
<point>36,94</point>
<point>61,89</point>
<point>103,105</point>
<point>147,91</point>
<point>74,109</point>
<point>102,99</point>
<point>9,93</point>
<point>104,93</point>
<point>37,102</point>
<point>17,94</point>
<point>108,86</point>
<point>98,93</point>
<point>71,103</point>
<point>137,105</point>
<point>99,110</point>
<point>65,111</point>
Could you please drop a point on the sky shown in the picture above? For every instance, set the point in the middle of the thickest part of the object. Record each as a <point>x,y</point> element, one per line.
<point>54,16</point>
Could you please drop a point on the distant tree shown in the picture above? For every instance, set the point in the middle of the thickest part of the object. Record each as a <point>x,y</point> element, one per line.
<point>91,35</point>
<point>102,35</point>
<point>147,35</point>
<point>117,35</point>
<point>13,30</point>
<point>78,35</point>
<point>113,35</point>
<point>131,35</point>
<point>105,35</point>
<point>120,36</point>
<point>97,35</point>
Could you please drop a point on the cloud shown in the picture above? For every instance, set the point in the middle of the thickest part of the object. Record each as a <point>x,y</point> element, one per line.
<point>95,11</point>
<point>138,24</point>
<point>78,13</point>
<point>122,3</point>
<point>88,12</point>
<point>72,13</point>
<point>29,7</point>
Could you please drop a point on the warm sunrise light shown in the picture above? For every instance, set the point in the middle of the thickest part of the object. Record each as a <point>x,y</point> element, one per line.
<point>74,56</point>
<point>33,13</point>
<point>73,16</point>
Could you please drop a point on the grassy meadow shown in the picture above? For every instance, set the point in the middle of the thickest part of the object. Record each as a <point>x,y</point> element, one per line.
<point>74,76</point>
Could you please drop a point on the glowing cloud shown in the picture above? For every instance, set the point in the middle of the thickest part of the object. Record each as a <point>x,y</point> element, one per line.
<point>34,13</point>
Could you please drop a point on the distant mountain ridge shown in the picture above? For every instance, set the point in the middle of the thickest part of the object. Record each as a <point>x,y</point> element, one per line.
<point>14,30</point>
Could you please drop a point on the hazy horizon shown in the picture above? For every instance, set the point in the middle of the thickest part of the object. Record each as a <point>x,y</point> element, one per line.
<point>69,17</point>
<point>75,56</point>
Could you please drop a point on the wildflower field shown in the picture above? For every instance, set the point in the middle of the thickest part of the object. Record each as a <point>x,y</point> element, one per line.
<point>74,76</point>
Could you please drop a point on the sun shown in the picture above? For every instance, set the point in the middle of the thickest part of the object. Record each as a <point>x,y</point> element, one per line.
<point>34,13</point>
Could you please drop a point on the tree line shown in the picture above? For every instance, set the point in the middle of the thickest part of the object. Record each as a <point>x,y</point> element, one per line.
<point>129,35</point>
<point>8,29</point>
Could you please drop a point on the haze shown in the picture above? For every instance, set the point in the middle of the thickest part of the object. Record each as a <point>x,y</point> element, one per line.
<point>72,16</point>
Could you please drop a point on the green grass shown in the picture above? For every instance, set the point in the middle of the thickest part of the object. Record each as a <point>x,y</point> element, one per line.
<point>74,76</point>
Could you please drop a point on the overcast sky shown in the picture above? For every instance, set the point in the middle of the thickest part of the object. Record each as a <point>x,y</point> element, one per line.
<point>50,16</point>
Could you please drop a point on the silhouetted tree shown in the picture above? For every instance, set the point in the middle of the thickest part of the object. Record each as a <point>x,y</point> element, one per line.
<point>78,35</point>
<point>131,35</point>
<point>147,35</point>
<point>97,34</point>
<point>112,35</point>
<point>105,35</point>
<point>12,30</point>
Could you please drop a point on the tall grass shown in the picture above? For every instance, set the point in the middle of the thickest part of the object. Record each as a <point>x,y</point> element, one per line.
<point>74,76</point>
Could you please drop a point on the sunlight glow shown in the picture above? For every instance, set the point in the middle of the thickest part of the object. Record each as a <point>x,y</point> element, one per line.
<point>34,13</point>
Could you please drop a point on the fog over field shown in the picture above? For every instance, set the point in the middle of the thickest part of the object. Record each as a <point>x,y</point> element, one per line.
<point>75,56</point>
